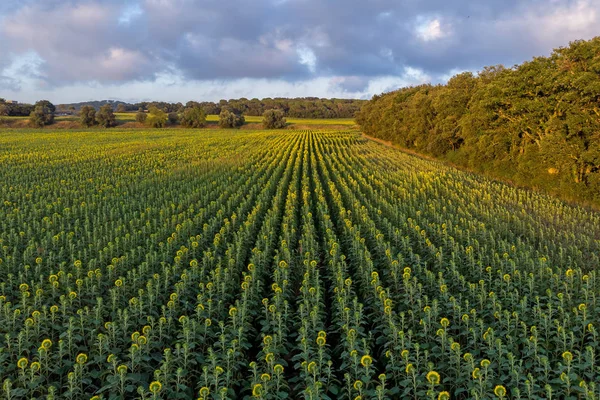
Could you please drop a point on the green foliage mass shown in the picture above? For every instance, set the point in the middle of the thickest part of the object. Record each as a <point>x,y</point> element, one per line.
<point>42,114</point>
<point>15,110</point>
<point>536,124</point>
<point>239,264</point>
<point>193,117</point>
<point>273,119</point>
<point>304,107</point>
<point>229,119</point>
<point>156,118</point>
<point>106,117</point>
<point>173,118</point>
<point>87,116</point>
<point>141,116</point>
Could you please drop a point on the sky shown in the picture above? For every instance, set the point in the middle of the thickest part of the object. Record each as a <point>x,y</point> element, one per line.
<point>206,50</point>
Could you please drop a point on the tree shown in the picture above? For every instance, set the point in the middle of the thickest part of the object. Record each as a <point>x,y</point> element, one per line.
<point>87,116</point>
<point>157,118</point>
<point>173,118</point>
<point>105,116</point>
<point>46,104</point>
<point>42,114</point>
<point>141,116</point>
<point>3,112</point>
<point>536,124</point>
<point>121,108</point>
<point>193,117</point>
<point>274,119</point>
<point>227,119</point>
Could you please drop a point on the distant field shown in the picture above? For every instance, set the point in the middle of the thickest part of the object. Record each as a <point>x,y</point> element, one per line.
<point>14,118</point>
<point>304,121</point>
<point>125,117</point>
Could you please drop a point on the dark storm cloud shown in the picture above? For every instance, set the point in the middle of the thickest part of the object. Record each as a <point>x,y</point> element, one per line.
<point>472,33</point>
<point>351,84</point>
<point>112,41</point>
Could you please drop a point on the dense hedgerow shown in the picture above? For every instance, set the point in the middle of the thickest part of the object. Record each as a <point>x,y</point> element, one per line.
<point>536,124</point>
<point>284,265</point>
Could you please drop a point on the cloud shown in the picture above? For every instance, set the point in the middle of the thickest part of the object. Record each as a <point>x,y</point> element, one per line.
<point>350,46</point>
<point>349,84</point>
<point>77,41</point>
<point>21,71</point>
<point>430,30</point>
<point>130,13</point>
<point>307,57</point>
<point>174,88</point>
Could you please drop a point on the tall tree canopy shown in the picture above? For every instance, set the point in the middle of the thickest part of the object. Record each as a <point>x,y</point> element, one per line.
<point>537,124</point>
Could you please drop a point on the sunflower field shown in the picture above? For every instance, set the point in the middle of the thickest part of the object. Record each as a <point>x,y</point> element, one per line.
<point>284,264</point>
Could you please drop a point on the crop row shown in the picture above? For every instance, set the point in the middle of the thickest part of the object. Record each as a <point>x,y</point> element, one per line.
<point>285,265</point>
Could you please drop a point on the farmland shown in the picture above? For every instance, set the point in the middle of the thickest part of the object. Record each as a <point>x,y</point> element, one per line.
<point>128,119</point>
<point>125,117</point>
<point>284,264</point>
<point>305,121</point>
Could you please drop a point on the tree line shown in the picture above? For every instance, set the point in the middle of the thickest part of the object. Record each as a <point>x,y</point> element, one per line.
<point>307,107</point>
<point>194,116</point>
<point>15,109</point>
<point>536,124</point>
<point>190,116</point>
<point>40,114</point>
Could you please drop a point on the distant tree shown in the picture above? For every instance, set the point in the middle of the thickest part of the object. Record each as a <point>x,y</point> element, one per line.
<point>210,108</point>
<point>106,117</point>
<point>228,119</point>
<point>121,108</point>
<point>72,108</point>
<point>42,114</point>
<point>274,119</point>
<point>141,116</point>
<point>173,118</point>
<point>3,112</point>
<point>19,110</point>
<point>157,118</point>
<point>193,117</point>
<point>38,117</point>
<point>46,104</point>
<point>87,116</point>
